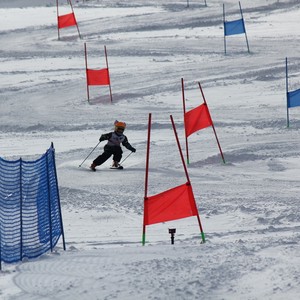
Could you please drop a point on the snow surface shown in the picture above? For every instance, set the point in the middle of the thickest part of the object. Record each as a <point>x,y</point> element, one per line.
<point>249,207</point>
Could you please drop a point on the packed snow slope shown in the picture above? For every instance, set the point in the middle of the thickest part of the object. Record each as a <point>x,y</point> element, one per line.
<point>249,206</point>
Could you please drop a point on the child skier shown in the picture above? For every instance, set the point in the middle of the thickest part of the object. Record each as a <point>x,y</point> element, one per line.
<point>113,146</point>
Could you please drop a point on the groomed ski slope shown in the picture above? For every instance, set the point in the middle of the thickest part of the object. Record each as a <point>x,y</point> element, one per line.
<point>249,207</point>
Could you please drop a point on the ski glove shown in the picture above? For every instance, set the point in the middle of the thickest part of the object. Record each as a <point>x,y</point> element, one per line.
<point>133,150</point>
<point>102,138</point>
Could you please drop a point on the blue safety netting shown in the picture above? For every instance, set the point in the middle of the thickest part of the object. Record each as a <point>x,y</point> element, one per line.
<point>30,213</point>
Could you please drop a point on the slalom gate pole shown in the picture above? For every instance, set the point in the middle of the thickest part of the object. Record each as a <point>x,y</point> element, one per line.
<point>86,71</point>
<point>244,26</point>
<point>224,22</point>
<point>75,19</point>
<point>126,158</point>
<point>108,74</point>
<point>184,111</point>
<point>212,124</point>
<point>186,174</point>
<point>201,229</point>
<point>57,19</point>
<point>146,180</point>
<point>180,151</point>
<point>287,92</point>
<point>89,154</point>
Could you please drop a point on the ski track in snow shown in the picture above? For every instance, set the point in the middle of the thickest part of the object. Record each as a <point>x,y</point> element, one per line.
<point>249,206</point>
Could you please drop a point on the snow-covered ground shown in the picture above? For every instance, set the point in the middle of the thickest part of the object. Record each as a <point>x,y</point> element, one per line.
<point>249,207</point>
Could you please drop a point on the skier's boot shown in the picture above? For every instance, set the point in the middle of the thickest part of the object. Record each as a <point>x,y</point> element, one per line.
<point>115,164</point>
<point>93,167</point>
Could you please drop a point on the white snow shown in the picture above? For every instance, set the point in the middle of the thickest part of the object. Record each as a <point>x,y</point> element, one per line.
<point>249,207</point>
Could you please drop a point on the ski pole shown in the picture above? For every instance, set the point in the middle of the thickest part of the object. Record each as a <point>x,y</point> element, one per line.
<point>89,154</point>
<point>126,158</point>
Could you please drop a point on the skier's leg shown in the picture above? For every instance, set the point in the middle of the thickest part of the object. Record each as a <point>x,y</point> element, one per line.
<point>117,154</point>
<point>103,157</point>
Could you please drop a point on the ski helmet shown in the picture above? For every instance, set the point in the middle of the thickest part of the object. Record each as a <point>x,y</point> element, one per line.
<point>119,125</point>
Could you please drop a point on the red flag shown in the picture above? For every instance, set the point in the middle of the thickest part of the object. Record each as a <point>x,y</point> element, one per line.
<point>196,119</point>
<point>173,204</point>
<point>98,77</point>
<point>66,20</point>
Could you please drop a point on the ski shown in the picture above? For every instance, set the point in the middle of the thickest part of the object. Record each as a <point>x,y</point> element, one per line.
<point>117,168</point>
<point>113,168</point>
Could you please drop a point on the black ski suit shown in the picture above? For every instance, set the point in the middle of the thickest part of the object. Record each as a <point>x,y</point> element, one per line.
<point>113,147</point>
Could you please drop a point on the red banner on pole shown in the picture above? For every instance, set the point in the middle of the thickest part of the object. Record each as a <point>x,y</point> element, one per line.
<point>98,77</point>
<point>67,20</point>
<point>196,119</point>
<point>173,204</point>
<point>176,203</point>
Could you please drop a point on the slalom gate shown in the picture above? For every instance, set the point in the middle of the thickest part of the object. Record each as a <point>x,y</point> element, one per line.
<point>30,211</point>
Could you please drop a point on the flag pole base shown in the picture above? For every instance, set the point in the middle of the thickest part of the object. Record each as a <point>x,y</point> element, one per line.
<point>203,237</point>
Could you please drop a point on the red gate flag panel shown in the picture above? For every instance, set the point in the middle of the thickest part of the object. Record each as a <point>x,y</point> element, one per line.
<point>98,77</point>
<point>196,119</point>
<point>67,20</point>
<point>173,204</point>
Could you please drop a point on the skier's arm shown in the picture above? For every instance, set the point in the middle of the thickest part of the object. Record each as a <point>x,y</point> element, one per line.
<point>128,146</point>
<point>105,137</point>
